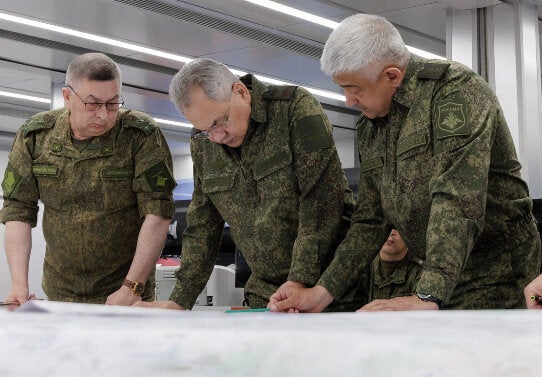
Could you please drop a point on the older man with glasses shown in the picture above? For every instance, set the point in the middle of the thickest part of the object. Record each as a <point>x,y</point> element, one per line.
<point>264,162</point>
<point>104,175</point>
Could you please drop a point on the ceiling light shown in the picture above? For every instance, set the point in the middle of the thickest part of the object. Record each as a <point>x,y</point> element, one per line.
<point>93,37</point>
<point>325,22</point>
<point>173,123</point>
<point>148,51</point>
<point>25,97</point>
<point>295,12</point>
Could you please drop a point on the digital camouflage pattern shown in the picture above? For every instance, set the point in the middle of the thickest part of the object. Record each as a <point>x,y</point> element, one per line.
<point>95,200</point>
<point>400,282</point>
<point>283,194</point>
<point>442,168</point>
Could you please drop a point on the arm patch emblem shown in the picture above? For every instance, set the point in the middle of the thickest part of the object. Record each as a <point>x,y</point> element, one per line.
<point>11,182</point>
<point>159,178</point>
<point>312,133</point>
<point>452,118</point>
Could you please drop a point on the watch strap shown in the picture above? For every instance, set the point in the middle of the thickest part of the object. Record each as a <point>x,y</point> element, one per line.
<point>136,287</point>
<point>429,298</point>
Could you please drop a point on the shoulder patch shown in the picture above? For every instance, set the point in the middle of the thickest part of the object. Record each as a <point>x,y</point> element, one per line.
<point>311,133</point>
<point>39,122</point>
<point>433,71</point>
<point>140,121</point>
<point>11,182</point>
<point>159,178</point>
<point>280,92</point>
<point>451,118</point>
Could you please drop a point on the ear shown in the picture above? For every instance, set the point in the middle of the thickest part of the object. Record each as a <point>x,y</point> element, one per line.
<point>66,95</point>
<point>242,90</point>
<point>394,76</point>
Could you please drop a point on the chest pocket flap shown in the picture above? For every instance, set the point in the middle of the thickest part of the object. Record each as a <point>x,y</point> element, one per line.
<point>372,165</point>
<point>279,160</point>
<point>218,182</point>
<point>410,145</point>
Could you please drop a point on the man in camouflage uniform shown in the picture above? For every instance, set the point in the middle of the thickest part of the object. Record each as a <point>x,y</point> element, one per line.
<point>104,177</point>
<point>395,271</point>
<point>265,163</point>
<point>437,161</point>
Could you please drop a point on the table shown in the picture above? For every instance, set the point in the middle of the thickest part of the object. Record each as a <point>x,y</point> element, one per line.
<point>90,340</point>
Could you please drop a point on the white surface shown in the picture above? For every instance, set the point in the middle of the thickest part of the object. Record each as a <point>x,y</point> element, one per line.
<point>202,343</point>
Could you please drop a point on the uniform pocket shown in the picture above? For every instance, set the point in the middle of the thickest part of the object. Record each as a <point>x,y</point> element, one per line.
<point>216,183</point>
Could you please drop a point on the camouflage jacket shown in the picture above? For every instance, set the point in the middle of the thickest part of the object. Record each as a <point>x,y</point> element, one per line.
<point>401,282</point>
<point>94,200</point>
<point>442,168</point>
<point>283,194</point>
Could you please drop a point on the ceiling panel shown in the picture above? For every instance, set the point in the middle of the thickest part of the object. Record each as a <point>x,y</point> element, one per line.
<point>240,34</point>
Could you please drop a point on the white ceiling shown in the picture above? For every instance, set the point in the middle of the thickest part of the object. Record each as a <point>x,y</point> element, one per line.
<point>238,33</point>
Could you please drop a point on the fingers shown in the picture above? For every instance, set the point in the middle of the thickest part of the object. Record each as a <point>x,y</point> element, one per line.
<point>276,305</point>
<point>159,304</point>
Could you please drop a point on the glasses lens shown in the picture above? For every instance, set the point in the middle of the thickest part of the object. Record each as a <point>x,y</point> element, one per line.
<point>113,106</point>
<point>91,106</point>
<point>201,135</point>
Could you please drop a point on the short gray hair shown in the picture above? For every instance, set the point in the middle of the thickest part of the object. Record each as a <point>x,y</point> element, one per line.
<point>214,78</point>
<point>93,66</point>
<point>365,44</point>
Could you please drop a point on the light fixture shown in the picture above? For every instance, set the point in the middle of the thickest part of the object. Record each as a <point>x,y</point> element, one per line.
<point>325,22</point>
<point>47,100</point>
<point>148,51</point>
<point>173,123</point>
<point>295,12</point>
<point>25,97</point>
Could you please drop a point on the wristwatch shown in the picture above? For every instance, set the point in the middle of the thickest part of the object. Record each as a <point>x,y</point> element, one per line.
<point>429,298</point>
<point>137,288</point>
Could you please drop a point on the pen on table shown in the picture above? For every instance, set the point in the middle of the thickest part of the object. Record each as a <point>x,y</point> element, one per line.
<point>9,303</point>
<point>538,299</point>
<point>246,310</point>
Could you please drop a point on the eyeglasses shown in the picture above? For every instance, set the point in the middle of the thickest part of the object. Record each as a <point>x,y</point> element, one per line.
<point>219,123</point>
<point>93,106</point>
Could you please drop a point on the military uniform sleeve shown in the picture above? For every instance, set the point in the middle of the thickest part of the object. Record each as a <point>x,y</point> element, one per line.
<point>364,238</point>
<point>201,242</point>
<point>20,190</point>
<point>324,192</point>
<point>153,177</point>
<point>464,115</point>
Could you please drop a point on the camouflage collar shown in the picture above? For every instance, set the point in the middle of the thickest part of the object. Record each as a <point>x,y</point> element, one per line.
<point>258,107</point>
<point>406,94</point>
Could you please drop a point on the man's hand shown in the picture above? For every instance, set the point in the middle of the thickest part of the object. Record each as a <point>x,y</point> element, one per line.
<point>159,305</point>
<point>285,287</point>
<point>399,303</point>
<point>533,289</point>
<point>123,296</point>
<point>19,294</point>
<point>291,298</point>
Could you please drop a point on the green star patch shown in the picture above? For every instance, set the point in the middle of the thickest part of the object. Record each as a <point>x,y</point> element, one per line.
<point>452,118</point>
<point>11,182</point>
<point>159,178</point>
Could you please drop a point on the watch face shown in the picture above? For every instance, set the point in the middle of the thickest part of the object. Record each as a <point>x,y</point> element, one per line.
<point>139,288</point>
<point>428,298</point>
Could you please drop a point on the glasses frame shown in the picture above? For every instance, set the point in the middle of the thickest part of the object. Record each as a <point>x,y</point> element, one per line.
<point>95,106</point>
<point>220,123</point>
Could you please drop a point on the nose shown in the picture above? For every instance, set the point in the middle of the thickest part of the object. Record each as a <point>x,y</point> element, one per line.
<point>101,112</point>
<point>218,136</point>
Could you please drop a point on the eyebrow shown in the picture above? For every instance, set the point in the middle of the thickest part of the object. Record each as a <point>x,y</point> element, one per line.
<point>99,100</point>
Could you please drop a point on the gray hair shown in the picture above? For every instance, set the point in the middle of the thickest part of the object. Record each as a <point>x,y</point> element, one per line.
<point>214,78</point>
<point>93,66</point>
<point>365,44</point>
